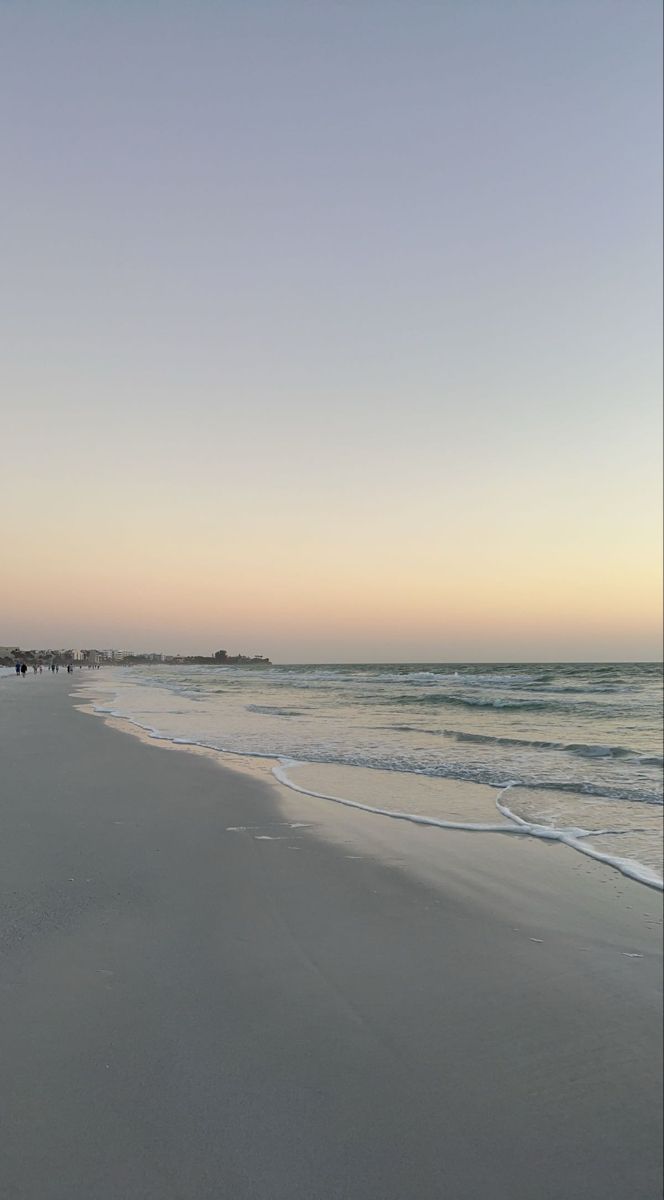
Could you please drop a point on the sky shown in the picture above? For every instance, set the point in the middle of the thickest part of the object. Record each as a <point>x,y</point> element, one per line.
<point>331,331</point>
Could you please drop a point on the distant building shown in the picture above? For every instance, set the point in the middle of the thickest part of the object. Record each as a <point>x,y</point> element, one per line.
<point>223,658</point>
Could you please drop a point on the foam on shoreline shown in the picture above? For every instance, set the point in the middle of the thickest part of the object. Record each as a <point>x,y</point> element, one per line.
<point>576,838</point>
<point>572,837</point>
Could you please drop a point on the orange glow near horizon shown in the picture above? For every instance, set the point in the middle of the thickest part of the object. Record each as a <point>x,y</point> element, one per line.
<point>332,602</point>
<point>333,372</point>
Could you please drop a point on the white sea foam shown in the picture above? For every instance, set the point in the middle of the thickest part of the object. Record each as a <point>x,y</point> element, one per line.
<point>280,773</point>
<point>577,776</point>
<point>571,837</point>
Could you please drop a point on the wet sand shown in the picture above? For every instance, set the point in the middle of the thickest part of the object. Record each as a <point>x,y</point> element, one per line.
<point>203,998</point>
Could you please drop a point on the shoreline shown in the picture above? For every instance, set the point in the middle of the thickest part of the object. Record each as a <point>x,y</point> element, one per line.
<point>398,841</point>
<point>276,773</point>
<point>225,988</point>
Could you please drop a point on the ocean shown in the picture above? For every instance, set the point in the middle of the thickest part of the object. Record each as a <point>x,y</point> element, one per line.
<point>567,751</point>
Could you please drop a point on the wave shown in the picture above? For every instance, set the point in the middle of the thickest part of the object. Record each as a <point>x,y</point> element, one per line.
<point>485,739</point>
<point>413,729</point>
<point>472,772</point>
<point>274,710</point>
<point>158,735</point>
<point>588,689</point>
<point>582,749</point>
<point>467,679</point>
<point>488,774</point>
<point>573,837</point>
<point>609,792</point>
<point>456,701</point>
<point>596,751</point>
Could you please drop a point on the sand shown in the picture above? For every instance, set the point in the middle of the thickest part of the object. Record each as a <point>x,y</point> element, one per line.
<point>212,987</point>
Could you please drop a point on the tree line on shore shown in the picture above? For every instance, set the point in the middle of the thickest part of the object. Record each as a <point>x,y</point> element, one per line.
<point>10,654</point>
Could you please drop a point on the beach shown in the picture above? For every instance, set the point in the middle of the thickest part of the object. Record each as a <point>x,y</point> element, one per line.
<point>561,751</point>
<point>216,987</point>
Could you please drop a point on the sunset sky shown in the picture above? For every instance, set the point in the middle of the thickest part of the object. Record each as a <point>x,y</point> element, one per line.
<point>331,330</point>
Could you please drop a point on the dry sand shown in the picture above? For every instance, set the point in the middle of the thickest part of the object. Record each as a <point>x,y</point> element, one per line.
<point>212,987</point>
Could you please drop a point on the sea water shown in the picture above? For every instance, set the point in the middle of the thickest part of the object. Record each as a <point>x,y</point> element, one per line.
<point>570,751</point>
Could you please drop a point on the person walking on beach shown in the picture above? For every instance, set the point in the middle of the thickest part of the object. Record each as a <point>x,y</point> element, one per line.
<point>24,670</point>
<point>18,668</point>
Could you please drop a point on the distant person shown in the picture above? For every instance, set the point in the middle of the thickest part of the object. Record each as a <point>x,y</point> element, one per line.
<point>40,668</point>
<point>24,670</point>
<point>18,668</point>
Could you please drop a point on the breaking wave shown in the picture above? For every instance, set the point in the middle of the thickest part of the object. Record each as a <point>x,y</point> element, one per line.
<point>582,749</point>
<point>509,703</point>
<point>273,710</point>
<point>577,838</point>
